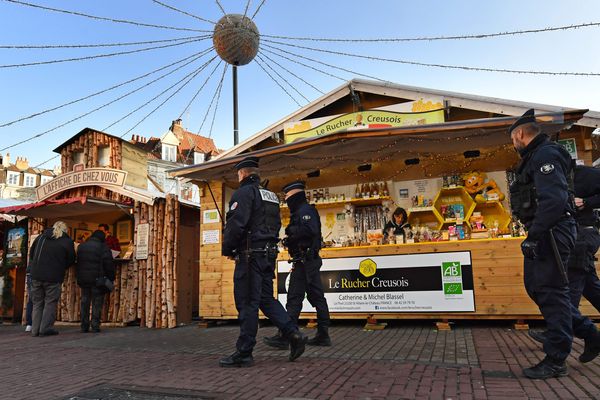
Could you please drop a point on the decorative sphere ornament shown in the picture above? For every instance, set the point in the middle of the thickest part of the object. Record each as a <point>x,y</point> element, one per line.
<point>236,39</point>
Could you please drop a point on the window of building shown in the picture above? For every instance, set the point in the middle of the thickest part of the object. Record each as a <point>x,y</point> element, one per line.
<point>103,156</point>
<point>78,157</point>
<point>13,178</point>
<point>29,180</point>
<point>198,157</point>
<point>169,152</point>
<point>46,179</point>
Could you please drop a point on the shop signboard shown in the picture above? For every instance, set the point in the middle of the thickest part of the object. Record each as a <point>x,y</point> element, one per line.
<point>141,241</point>
<point>83,177</point>
<point>420,283</point>
<point>570,145</point>
<point>421,112</point>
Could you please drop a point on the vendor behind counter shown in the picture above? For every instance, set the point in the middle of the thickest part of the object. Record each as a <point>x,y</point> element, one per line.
<point>397,224</point>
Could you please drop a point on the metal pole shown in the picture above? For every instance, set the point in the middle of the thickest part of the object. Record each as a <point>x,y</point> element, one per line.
<point>235,106</point>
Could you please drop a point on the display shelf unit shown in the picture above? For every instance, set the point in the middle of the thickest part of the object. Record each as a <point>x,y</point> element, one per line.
<point>370,201</point>
<point>454,195</point>
<point>425,216</point>
<point>491,211</point>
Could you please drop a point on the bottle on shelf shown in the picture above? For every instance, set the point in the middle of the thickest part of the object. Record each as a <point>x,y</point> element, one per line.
<point>374,190</point>
<point>357,193</point>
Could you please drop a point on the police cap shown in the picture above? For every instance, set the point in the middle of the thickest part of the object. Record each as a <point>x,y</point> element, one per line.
<point>527,118</point>
<point>294,185</point>
<point>248,162</point>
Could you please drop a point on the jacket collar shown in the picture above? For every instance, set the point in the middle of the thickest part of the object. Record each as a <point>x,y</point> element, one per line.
<point>250,180</point>
<point>534,144</point>
<point>295,201</point>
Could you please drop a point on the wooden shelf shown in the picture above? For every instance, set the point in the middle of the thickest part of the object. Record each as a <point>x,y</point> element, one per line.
<point>494,210</point>
<point>371,201</point>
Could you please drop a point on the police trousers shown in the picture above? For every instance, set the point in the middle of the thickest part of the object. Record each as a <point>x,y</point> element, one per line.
<point>583,278</point>
<point>253,290</point>
<point>305,278</point>
<point>547,288</point>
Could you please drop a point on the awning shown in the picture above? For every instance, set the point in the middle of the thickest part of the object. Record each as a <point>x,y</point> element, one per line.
<point>94,210</point>
<point>404,153</point>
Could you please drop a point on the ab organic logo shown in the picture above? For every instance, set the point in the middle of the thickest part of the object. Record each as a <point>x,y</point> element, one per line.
<point>452,278</point>
<point>451,269</point>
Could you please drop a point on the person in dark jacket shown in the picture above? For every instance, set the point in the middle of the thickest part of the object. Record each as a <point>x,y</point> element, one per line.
<point>50,255</point>
<point>94,260</point>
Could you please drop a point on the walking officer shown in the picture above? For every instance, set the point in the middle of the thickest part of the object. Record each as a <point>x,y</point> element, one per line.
<point>303,240</point>
<point>583,279</point>
<point>250,237</point>
<point>542,200</point>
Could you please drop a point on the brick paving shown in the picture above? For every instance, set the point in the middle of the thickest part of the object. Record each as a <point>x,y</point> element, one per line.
<point>404,361</point>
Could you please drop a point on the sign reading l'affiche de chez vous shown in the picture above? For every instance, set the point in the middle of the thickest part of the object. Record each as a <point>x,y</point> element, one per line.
<point>82,177</point>
<point>430,282</point>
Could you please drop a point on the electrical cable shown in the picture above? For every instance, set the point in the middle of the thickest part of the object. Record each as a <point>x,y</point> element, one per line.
<point>321,62</point>
<point>82,46</point>
<point>258,9</point>
<point>434,38</point>
<point>278,84</point>
<point>199,90</point>
<point>290,72</point>
<point>210,106</point>
<point>221,7</point>
<point>94,110</point>
<point>101,91</point>
<point>217,103</point>
<point>101,55</point>
<point>184,12</point>
<point>283,79</point>
<point>301,63</point>
<point>170,97</point>
<point>120,21</point>
<point>47,161</point>
<point>446,66</point>
<point>246,9</point>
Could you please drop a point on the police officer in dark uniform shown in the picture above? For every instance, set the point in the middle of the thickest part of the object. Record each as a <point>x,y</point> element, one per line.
<point>250,237</point>
<point>541,199</point>
<point>583,279</point>
<point>303,240</point>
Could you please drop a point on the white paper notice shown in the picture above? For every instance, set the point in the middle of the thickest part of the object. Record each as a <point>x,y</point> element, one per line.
<point>210,237</point>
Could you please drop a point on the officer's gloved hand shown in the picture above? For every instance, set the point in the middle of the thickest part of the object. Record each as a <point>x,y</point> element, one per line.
<point>529,248</point>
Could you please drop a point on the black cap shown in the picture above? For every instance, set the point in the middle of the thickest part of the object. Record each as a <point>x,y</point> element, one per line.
<point>527,118</point>
<point>294,185</point>
<point>248,162</point>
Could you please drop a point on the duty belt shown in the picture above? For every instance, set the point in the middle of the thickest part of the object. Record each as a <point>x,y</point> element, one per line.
<point>302,256</point>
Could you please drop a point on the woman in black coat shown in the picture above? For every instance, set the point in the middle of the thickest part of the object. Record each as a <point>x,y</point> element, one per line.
<point>94,260</point>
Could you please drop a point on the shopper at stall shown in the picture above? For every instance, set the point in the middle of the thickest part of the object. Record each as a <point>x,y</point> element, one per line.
<point>94,261</point>
<point>250,237</point>
<point>541,199</point>
<point>50,255</point>
<point>303,241</point>
<point>583,279</point>
<point>397,224</point>
<point>111,241</point>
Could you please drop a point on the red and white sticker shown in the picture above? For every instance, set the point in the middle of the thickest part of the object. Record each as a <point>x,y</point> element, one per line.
<point>234,206</point>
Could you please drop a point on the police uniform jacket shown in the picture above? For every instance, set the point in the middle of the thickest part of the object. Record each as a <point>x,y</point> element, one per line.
<point>304,229</point>
<point>253,219</point>
<point>545,167</point>
<point>587,187</point>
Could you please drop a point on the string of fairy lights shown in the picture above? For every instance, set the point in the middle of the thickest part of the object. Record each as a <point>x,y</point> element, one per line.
<point>284,60</point>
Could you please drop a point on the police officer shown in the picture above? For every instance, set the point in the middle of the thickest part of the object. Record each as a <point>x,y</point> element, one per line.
<point>583,279</point>
<point>541,199</point>
<point>303,240</point>
<point>250,236</point>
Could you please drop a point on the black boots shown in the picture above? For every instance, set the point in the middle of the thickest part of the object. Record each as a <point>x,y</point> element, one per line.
<point>547,368</point>
<point>591,348</point>
<point>321,338</point>
<point>277,341</point>
<point>538,336</point>
<point>297,345</point>
<point>237,360</point>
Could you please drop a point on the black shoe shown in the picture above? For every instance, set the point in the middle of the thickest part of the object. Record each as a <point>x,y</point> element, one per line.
<point>320,339</point>
<point>297,345</point>
<point>96,330</point>
<point>591,348</point>
<point>85,330</point>
<point>49,332</point>
<point>277,342</point>
<point>538,336</point>
<point>547,368</point>
<point>237,360</point>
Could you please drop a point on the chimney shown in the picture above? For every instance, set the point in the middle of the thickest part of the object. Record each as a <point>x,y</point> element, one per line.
<point>6,160</point>
<point>176,126</point>
<point>133,138</point>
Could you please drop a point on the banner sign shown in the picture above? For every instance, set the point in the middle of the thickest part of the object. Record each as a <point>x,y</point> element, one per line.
<point>570,145</point>
<point>404,114</point>
<point>84,177</point>
<point>428,282</point>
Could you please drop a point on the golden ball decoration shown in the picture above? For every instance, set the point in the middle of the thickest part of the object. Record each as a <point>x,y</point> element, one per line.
<point>236,39</point>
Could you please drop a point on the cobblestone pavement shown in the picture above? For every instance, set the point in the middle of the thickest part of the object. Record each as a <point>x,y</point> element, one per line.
<point>404,361</point>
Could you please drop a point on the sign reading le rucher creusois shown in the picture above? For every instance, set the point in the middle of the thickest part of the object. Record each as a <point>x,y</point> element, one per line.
<point>84,177</point>
<point>429,282</point>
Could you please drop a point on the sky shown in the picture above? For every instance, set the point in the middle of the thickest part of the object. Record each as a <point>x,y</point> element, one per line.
<point>29,89</point>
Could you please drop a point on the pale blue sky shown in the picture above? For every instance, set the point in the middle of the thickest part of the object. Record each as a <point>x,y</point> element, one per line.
<point>31,89</point>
